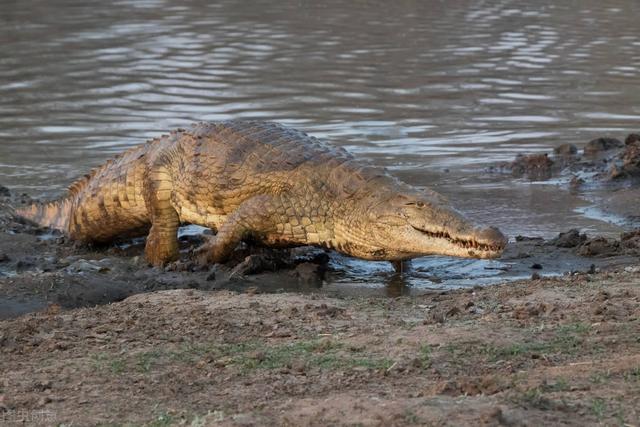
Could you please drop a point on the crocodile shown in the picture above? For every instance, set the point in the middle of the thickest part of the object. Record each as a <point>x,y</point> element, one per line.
<point>261,182</point>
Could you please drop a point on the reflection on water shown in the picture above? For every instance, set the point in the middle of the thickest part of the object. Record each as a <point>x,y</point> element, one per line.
<point>418,86</point>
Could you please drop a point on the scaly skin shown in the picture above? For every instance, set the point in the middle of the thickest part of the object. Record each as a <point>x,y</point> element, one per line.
<point>265,182</point>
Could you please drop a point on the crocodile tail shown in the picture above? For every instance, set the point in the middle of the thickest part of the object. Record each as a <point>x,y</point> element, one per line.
<point>56,214</point>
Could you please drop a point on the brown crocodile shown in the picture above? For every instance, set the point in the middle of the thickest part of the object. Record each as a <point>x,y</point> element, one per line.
<point>265,182</point>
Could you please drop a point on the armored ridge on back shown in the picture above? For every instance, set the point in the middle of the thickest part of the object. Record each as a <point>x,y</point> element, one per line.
<point>264,182</point>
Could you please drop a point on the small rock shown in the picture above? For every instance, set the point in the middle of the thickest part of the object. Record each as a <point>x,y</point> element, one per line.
<point>616,171</point>
<point>309,272</point>
<point>566,150</point>
<point>533,166</point>
<point>4,257</point>
<point>26,263</point>
<point>631,159</point>
<point>521,255</point>
<point>575,183</point>
<point>44,400</point>
<point>257,355</point>
<point>598,145</point>
<point>599,246</point>
<point>570,239</point>
<point>632,269</point>
<point>453,311</point>
<point>632,138</point>
<point>83,266</point>
<point>4,191</point>
<point>520,238</point>
<point>180,266</point>
<point>535,276</point>
<point>536,266</point>
<point>42,385</point>
<point>211,276</point>
<point>253,264</point>
<point>298,366</point>
<point>631,239</point>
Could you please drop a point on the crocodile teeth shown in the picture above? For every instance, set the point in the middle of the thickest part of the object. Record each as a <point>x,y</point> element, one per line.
<point>466,244</point>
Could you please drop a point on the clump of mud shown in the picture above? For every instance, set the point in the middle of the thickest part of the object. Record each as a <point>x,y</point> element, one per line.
<point>570,239</point>
<point>627,244</point>
<point>605,172</point>
<point>533,166</point>
<point>627,163</point>
<point>599,146</point>
<point>605,159</point>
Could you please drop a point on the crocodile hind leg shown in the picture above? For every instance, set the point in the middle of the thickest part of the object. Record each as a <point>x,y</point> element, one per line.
<point>162,241</point>
<point>255,218</point>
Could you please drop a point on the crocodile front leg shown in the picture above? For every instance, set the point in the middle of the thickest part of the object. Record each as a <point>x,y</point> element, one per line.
<point>255,218</point>
<point>162,241</point>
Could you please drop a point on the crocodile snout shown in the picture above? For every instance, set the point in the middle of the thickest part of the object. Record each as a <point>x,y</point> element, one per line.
<point>491,236</point>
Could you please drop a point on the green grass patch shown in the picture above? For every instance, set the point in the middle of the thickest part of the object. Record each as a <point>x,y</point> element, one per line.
<point>411,417</point>
<point>566,339</point>
<point>424,355</point>
<point>248,356</point>
<point>534,398</point>
<point>600,377</point>
<point>147,360</point>
<point>598,408</point>
<point>560,384</point>
<point>324,354</point>
<point>633,375</point>
<point>107,362</point>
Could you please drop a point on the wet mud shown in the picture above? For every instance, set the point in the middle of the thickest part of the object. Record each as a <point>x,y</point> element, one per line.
<point>40,268</point>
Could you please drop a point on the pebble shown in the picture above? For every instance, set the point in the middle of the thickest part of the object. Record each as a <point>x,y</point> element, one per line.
<point>632,138</point>
<point>599,145</point>
<point>88,266</point>
<point>566,150</point>
<point>570,239</point>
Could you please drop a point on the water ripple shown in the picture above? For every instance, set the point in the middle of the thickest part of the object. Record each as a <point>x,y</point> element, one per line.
<point>417,86</point>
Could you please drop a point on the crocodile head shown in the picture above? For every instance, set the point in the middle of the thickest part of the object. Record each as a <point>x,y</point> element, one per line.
<point>408,224</point>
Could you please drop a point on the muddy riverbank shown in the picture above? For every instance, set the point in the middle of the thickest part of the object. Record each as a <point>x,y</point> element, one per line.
<point>94,336</point>
<point>40,268</point>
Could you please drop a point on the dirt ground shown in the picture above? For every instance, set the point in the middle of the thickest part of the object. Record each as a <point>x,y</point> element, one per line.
<point>93,336</point>
<point>546,352</point>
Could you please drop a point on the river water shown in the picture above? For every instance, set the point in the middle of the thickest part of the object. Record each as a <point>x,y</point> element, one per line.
<point>433,90</point>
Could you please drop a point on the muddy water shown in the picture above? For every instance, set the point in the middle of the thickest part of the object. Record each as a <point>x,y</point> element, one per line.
<point>433,90</point>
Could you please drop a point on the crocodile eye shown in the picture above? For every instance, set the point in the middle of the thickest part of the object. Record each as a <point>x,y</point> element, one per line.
<point>418,204</point>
